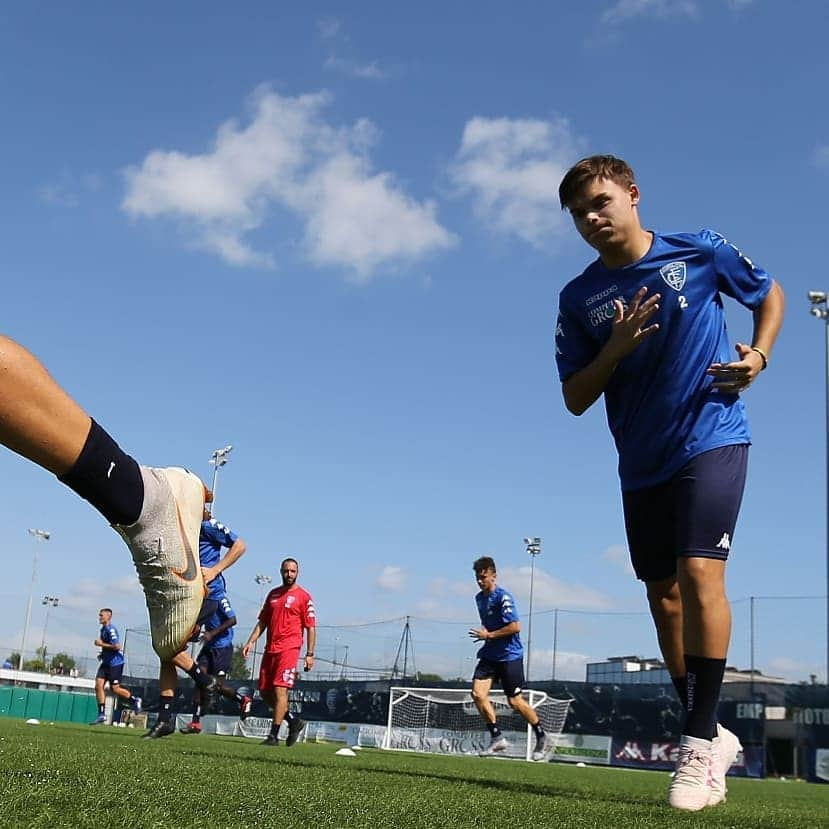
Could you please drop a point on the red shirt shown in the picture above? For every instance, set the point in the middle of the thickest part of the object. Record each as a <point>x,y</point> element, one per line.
<point>286,612</point>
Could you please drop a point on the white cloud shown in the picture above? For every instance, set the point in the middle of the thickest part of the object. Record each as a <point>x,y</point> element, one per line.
<point>660,9</point>
<point>446,597</point>
<point>822,157</point>
<point>355,69</point>
<point>328,27</point>
<point>794,670</point>
<point>549,592</point>
<point>90,595</point>
<point>288,157</point>
<point>391,578</point>
<point>617,554</point>
<point>67,189</point>
<point>512,169</point>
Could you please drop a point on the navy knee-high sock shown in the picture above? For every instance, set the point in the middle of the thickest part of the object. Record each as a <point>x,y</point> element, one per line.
<point>108,478</point>
<point>704,677</point>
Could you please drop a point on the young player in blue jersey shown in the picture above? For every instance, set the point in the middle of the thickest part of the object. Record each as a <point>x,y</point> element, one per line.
<point>644,325</point>
<point>212,537</point>
<point>501,658</point>
<point>215,658</point>
<point>111,668</point>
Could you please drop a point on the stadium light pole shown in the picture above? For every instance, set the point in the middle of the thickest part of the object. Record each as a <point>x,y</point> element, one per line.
<point>218,459</point>
<point>38,535</point>
<point>819,300</point>
<point>261,579</point>
<point>534,549</point>
<point>50,602</point>
<point>344,671</point>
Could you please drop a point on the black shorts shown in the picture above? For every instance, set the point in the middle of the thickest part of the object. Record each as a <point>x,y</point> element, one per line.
<point>110,673</point>
<point>693,514</point>
<point>509,674</point>
<point>216,661</point>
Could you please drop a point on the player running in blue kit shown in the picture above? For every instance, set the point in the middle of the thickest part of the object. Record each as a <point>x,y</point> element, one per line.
<point>644,325</point>
<point>111,668</point>
<point>215,658</point>
<point>501,658</point>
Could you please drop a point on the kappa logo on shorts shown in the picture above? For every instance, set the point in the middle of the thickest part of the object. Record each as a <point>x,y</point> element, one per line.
<point>674,274</point>
<point>724,543</point>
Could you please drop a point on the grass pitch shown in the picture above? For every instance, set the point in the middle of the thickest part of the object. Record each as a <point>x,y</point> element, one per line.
<point>78,776</point>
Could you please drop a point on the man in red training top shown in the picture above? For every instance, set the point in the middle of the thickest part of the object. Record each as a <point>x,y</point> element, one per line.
<point>287,612</point>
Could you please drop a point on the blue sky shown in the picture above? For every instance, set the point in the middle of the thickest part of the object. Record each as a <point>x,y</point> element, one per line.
<point>332,240</point>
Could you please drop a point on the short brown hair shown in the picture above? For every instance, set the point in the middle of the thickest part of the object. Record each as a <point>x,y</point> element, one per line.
<point>484,563</point>
<point>593,167</point>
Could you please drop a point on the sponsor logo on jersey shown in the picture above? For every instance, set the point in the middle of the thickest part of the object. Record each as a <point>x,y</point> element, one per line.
<point>674,274</point>
<point>602,313</point>
<point>592,300</point>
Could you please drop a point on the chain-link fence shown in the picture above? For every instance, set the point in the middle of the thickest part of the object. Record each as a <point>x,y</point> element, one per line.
<point>780,636</point>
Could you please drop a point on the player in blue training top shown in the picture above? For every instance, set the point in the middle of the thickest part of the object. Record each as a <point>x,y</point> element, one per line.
<point>111,668</point>
<point>215,658</point>
<point>644,325</point>
<point>501,658</point>
<point>212,537</point>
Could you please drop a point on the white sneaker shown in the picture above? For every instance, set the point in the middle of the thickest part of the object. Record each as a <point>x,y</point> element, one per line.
<point>164,543</point>
<point>540,750</point>
<point>496,744</point>
<point>691,787</point>
<point>724,750</point>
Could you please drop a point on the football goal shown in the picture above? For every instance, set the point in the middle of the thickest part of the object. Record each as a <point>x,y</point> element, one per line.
<point>446,721</point>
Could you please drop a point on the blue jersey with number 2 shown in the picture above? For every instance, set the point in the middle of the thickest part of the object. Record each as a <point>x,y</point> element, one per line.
<point>661,407</point>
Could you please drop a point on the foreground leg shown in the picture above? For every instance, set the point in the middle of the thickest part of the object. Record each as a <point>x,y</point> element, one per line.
<point>530,715</point>
<point>665,602</point>
<point>480,696</point>
<point>706,634</point>
<point>167,681</point>
<point>158,512</point>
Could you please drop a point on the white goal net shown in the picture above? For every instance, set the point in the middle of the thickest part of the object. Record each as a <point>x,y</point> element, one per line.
<point>446,721</point>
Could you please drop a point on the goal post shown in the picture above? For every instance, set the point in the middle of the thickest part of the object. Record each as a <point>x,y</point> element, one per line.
<point>446,721</point>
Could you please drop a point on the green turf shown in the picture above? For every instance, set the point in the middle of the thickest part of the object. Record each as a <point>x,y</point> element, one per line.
<point>78,776</point>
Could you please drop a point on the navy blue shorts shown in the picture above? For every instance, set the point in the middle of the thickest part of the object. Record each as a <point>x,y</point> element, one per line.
<point>110,673</point>
<point>208,608</point>
<point>509,674</point>
<point>216,661</point>
<point>693,514</point>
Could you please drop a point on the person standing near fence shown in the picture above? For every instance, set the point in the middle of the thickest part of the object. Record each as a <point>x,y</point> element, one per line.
<point>644,326</point>
<point>501,658</point>
<point>288,611</point>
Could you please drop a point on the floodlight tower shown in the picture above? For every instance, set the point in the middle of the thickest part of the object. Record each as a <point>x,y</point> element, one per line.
<point>819,300</point>
<point>261,579</point>
<point>218,459</point>
<point>38,535</point>
<point>533,546</point>
<point>50,602</point>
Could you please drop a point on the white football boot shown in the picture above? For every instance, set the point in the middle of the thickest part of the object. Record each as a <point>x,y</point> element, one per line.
<point>691,787</point>
<point>164,543</point>
<point>496,744</point>
<point>724,750</point>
